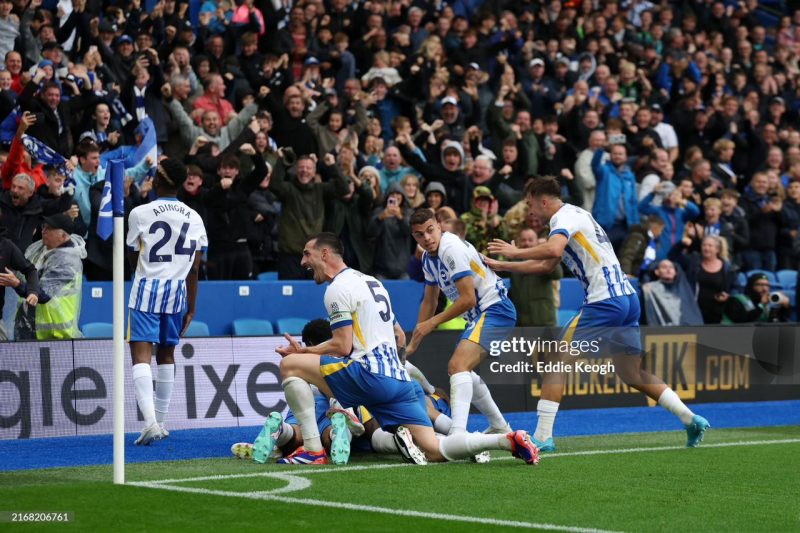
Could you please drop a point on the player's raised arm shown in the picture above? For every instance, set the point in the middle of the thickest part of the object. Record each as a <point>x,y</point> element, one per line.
<point>340,345</point>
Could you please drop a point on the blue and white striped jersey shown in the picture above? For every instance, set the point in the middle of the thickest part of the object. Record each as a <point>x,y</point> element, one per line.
<point>589,255</point>
<point>166,233</point>
<point>355,299</point>
<point>456,259</point>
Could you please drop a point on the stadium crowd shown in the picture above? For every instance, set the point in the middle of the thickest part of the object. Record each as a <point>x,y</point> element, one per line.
<point>676,124</point>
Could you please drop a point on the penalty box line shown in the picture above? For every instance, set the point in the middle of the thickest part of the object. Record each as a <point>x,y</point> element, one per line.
<point>297,482</point>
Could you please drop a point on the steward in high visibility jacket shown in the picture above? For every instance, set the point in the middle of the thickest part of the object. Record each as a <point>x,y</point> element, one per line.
<point>58,260</point>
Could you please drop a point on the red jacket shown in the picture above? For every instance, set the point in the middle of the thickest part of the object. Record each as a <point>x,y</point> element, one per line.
<point>15,164</point>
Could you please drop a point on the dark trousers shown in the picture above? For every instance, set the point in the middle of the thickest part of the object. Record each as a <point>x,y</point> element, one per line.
<point>289,267</point>
<point>230,264</point>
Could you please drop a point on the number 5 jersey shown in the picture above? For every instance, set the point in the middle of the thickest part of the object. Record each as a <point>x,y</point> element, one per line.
<point>166,233</point>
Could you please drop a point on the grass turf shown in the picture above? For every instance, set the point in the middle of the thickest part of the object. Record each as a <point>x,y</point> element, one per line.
<point>750,487</point>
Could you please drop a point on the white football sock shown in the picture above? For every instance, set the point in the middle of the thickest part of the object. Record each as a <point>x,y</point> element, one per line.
<point>383,442</point>
<point>460,399</point>
<point>464,445</point>
<point>417,375</point>
<point>482,399</point>
<point>286,434</point>
<point>546,411</point>
<point>442,424</point>
<point>143,386</point>
<point>670,401</point>
<point>301,401</point>
<point>165,381</point>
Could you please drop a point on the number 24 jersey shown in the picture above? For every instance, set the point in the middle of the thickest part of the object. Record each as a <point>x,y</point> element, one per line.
<point>166,233</point>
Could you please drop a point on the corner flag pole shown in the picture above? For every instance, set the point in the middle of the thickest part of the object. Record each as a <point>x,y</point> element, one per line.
<point>117,200</point>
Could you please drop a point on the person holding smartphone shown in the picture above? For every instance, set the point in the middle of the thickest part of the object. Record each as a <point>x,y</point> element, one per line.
<point>390,230</point>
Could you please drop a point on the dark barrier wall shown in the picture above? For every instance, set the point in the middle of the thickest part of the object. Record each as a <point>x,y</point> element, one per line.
<point>64,388</point>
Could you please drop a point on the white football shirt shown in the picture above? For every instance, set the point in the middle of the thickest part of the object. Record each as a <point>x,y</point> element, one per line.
<point>166,233</point>
<point>589,254</point>
<point>456,259</point>
<point>358,300</point>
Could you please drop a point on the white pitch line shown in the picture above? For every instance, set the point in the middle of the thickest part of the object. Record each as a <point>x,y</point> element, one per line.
<point>373,509</point>
<point>297,483</point>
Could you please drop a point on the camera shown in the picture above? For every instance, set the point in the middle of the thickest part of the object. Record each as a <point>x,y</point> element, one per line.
<point>289,157</point>
<point>775,297</point>
<point>617,138</point>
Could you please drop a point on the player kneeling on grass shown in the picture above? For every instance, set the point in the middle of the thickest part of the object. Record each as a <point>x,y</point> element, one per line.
<point>164,238</point>
<point>363,368</point>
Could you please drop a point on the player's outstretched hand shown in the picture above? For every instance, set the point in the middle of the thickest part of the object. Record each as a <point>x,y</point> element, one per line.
<point>187,319</point>
<point>294,346</point>
<point>501,247</point>
<point>494,264</point>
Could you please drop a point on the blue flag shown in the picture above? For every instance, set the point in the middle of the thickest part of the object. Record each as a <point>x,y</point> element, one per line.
<point>113,202</point>
<point>42,153</point>
<point>149,147</point>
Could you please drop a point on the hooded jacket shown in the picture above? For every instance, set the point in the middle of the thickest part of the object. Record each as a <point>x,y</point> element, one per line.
<point>458,185</point>
<point>60,275</point>
<point>613,183</point>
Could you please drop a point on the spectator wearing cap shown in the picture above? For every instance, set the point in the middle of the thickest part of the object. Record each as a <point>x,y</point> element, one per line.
<point>58,259</point>
<point>120,59</point>
<point>665,131</point>
<point>754,304</point>
<point>213,99</point>
<point>12,259</point>
<point>539,89</point>
<point>482,222</point>
<point>615,205</point>
<point>674,210</point>
<point>390,230</point>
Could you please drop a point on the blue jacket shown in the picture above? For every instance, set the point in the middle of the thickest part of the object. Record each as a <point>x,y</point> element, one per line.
<point>674,221</point>
<point>611,185</point>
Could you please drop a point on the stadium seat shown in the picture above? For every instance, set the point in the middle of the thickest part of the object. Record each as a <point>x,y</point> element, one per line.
<point>564,316</point>
<point>292,326</point>
<point>267,276</point>
<point>787,279</point>
<point>771,277</point>
<point>252,326</point>
<point>198,329</point>
<point>98,330</point>
<point>741,280</point>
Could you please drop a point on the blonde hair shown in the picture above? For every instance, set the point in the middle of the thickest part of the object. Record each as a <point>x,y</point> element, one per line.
<point>722,246</point>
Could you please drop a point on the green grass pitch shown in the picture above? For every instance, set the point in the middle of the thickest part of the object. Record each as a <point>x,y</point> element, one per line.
<point>738,480</point>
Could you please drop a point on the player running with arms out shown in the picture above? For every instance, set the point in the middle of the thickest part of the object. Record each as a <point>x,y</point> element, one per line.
<point>610,312</point>
<point>360,366</point>
<point>165,238</point>
<point>455,267</point>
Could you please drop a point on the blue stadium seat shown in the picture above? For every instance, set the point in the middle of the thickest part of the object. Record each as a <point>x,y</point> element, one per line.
<point>787,279</point>
<point>198,329</point>
<point>741,280</point>
<point>771,277</point>
<point>564,316</point>
<point>292,326</point>
<point>252,326</point>
<point>267,276</point>
<point>98,330</point>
